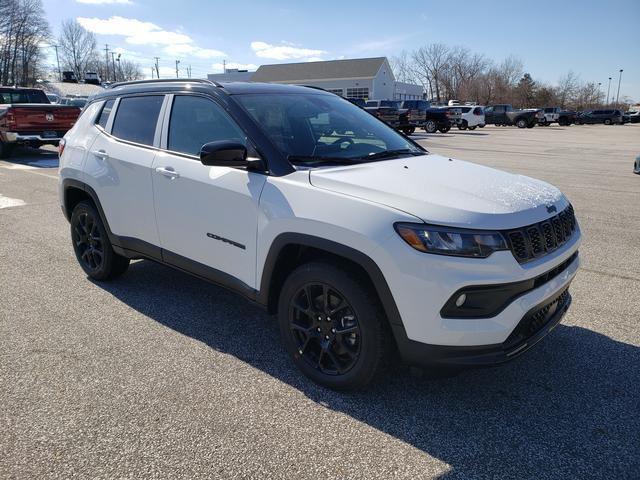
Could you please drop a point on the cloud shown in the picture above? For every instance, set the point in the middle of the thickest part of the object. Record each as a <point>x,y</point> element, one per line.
<point>381,45</point>
<point>219,67</point>
<point>105,2</point>
<point>284,52</point>
<point>138,32</point>
<point>185,49</point>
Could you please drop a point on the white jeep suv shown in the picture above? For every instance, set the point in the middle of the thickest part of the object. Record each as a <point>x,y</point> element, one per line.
<point>360,240</point>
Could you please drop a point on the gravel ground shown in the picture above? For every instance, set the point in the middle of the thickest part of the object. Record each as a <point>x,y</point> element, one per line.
<point>160,375</point>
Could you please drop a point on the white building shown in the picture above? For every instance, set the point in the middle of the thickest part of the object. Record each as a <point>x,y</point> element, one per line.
<point>368,78</point>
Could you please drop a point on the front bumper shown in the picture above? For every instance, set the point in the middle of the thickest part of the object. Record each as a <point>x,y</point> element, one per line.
<point>532,328</point>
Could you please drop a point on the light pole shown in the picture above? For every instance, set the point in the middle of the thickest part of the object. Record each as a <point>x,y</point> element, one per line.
<point>619,80</point>
<point>598,98</point>
<point>608,89</point>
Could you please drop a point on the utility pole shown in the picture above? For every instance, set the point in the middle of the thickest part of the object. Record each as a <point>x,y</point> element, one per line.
<point>113,64</point>
<point>58,62</point>
<point>608,89</point>
<point>177,69</point>
<point>157,67</point>
<point>619,80</point>
<point>106,54</point>
<point>224,66</point>
<point>189,71</point>
<point>120,66</point>
<point>152,70</point>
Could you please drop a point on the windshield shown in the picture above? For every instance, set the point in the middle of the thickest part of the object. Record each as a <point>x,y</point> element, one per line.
<point>311,128</point>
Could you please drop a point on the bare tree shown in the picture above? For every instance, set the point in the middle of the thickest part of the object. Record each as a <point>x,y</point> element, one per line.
<point>402,68</point>
<point>23,32</point>
<point>430,65</point>
<point>78,47</point>
<point>568,86</point>
<point>130,70</point>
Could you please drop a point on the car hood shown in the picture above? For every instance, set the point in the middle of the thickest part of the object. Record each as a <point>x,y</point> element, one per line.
<point>445,191</point>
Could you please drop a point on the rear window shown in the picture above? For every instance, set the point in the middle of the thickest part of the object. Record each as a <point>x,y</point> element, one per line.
<point>372,103</point>
<point>104,114</point>
<point>410,104</point>
<point>23,96</point>
<point>389,103</point>
<point>136,118</point>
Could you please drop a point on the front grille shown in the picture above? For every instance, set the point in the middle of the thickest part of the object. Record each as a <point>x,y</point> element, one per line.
<point>533,322</point>
<point>533,241</point>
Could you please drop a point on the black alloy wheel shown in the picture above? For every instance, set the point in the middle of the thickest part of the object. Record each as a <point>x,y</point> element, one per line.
<point>92,246</point>
<point>325,328</point>
<point>333,326</point>
<point>88,242</point>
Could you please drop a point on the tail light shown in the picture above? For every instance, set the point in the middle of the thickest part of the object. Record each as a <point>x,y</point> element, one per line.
<point>61,146</point>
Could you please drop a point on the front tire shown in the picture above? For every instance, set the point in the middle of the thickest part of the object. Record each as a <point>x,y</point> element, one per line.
<point>332,326</point>
<point>92,246</point>
<point>521,123</point>
<point>607,121</point>
<point>444,129</point>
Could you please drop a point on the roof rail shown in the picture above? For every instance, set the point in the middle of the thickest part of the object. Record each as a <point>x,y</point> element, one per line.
<point>165,80</point>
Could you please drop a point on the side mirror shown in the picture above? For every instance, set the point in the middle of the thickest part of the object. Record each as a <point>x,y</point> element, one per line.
<point>226,153</point>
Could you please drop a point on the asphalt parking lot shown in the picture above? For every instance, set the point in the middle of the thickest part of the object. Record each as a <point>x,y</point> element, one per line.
<point>160,375</point>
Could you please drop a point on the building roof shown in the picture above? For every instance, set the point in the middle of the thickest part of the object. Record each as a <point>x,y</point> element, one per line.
<point>326,70</point>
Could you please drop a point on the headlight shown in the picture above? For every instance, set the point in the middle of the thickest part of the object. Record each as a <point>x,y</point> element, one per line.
<point>451,241</point>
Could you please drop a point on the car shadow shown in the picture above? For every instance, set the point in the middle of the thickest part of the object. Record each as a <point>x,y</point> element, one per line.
<point>568,409</point>
<point>34,157</point>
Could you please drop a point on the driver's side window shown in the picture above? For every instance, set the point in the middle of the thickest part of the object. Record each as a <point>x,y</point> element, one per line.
<point>197,120</point>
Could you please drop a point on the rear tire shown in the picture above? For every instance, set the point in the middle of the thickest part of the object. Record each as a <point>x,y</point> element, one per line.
<point>607,121</point>
<point>6,149</point>
<point>473,128</point>
<point>92,246</point>
<point>444,129</point>
<point>318,301</point>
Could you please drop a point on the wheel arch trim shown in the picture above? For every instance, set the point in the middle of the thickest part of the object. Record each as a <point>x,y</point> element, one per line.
<point>361,259</point>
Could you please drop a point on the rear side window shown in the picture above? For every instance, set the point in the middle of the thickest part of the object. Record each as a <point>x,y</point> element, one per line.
<point>136,118</point>
<point>477,111</point>
<point>103,118</point>
<point>466,109</point>
<point>196,121</point>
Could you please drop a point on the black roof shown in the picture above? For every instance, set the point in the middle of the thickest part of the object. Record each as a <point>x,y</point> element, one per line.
<point>202,86</point>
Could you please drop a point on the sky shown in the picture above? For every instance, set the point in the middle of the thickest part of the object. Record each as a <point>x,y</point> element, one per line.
<point>595,39</point>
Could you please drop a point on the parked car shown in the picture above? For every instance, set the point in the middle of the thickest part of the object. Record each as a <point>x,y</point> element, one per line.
<point>389,111</point>
<point>634,116</point>
<point>28,118</point>
<point>607,117</point>
<point>416,114</point>
<point>438,119</point>
<point>566,117</point>
<point>53,98</point>
<point>362,243</point>
<point>360,102</point>
<point>471,117</point>
<point>549,115</point>
<point>76,101</point>
<point>506,115</point>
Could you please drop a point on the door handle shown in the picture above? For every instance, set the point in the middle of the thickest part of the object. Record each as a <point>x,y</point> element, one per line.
<point>168,172</point>
<point>101,154</point>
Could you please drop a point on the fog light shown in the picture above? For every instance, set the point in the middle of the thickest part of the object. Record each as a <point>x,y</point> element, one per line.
<point>460,300</point>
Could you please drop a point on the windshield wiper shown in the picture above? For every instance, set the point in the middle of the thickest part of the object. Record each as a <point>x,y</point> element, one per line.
<point>318,159</point>
<point>391,154</point>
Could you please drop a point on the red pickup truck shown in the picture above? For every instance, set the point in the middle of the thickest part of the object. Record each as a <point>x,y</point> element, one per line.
<point>28,118</point>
